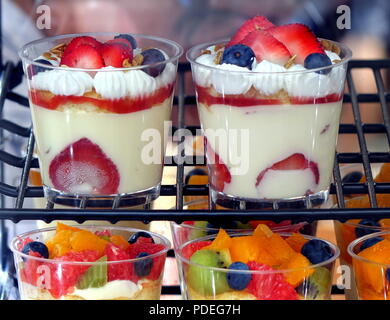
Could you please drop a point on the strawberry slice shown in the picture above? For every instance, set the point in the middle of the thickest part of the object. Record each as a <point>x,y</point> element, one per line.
<point>114,53</point>
<point>84,40</point>
<point>256,23</point>
<point>82,167</point>
<point>120,41</point>
<point>268,285</point>
<point>84,56</point>
<point>219,172</point>
<point>266,47</point>
<point>297,161</point>
<point>299,40</point>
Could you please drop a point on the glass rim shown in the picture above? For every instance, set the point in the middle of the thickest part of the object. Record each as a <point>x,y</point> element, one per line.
<point>336,253</point>
<point>16,251</point>
<point>353,244</point>
<point>28,60</point>
<point>190,56</point>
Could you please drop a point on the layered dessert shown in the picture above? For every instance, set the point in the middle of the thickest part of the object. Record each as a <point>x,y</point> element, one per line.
<point>257,266</point>
<point>371,264</point>
<point>269,102</point>
<point>70,263</point>
<point>92,105</point>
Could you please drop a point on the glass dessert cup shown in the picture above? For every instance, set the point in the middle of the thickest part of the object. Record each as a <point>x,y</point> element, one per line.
<point>264,131</point>
<point>60,279</point>
<point>372,271</point>
<point>214,276</point>
<point>95,128</point>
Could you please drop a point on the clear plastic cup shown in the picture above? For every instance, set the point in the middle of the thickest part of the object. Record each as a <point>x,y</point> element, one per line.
<point>372,273</point>
<point>270,137</point>
<point>64,279</point>
<point>270,284</point>
<point>101,133</point>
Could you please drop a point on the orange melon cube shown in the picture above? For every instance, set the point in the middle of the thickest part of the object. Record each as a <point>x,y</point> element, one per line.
<point>295,278</point>
<point>221,242</point>
<point>86,240</point>
<point>62,226</point>
<point>279,248</point>
<point>262,231</point>
<point>296,241</point>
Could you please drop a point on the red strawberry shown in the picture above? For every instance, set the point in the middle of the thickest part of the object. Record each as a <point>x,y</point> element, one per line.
<point>190,249</point>
<point>84,40</point>
<point>84,56</point>
<point>297,161</point>
<point>120,41</point>
<point>269,286</point>
<point>119,270</point>
<point>219,173</point>
<point>114,53</point>
<point>299,40</point>
<point>83,167</point>
<point>266,47</point>
<point>256,23</point>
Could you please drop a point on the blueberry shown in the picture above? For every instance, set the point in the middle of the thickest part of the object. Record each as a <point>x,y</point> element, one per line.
<point>143,267</point>
<point>239,55</point>
<point>318,60</point>
<point>141,234</point>
<point>32,69</point>
<point>238,281</point>
<point>317,251</point>
<point>152,56</point>
<point>36,246</point>
<point>362,231</point>
<point>370,242</point>
<point>128,38</point>
<point>353,177</point>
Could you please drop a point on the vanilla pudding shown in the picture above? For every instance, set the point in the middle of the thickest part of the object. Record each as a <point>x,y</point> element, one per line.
<point>269,102</point>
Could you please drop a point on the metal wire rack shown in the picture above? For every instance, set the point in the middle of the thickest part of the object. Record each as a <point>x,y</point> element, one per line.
<point>87,211</point>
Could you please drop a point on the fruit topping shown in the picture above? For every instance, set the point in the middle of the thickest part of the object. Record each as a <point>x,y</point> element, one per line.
<point>204,280</point>
<point>36,247</point>
<point>95,276</point>
<point>152,56</point>
<point>86,240</point>
<point>240,55</point>
<point>33,69</point>
<point>119,270</point>
<point>82,167</point>
<point>318,60</point>
<point>136,236</point>
<point>84,56</point>
<point>256,23</point>
<point>236,280</point>
<point>80,41</point>
<point>372,226</point>
<point>266,47</point>
<point>370,242</point>
<point>119,241</point>
<point>299,40</point>
<point>191,248</point>
<point>143,267</point>
<point>297,161</point>
<point>114,54</point>
<point>317,251</point>
<point>296,241</point>
<point>316,287</point>
<point>268,285</point>
<point>129,38</point>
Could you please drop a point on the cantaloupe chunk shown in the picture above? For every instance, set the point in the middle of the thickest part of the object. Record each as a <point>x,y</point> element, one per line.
<point>296,241</point>
<point>221,241</point>
<point>86,240</point>
<point>297,260</point>
<point>61,226</point>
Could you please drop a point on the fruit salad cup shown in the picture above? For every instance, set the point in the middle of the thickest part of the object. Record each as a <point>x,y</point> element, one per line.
<point>259,266</point>
<point>269,102</point>
<point>99,104</point>
<point>89,263</point>
<point>371,264</point>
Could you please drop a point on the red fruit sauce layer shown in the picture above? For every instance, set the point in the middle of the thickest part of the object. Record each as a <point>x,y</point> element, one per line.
<point>50,101</point>
<point>241,100</point>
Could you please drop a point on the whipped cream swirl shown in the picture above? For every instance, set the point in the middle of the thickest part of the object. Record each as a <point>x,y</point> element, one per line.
<point>267,77</point>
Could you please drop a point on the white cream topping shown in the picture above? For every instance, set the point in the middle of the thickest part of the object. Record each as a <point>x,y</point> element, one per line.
<point>113,84</point>
<point>274,78</point>
<point>111,290</point>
